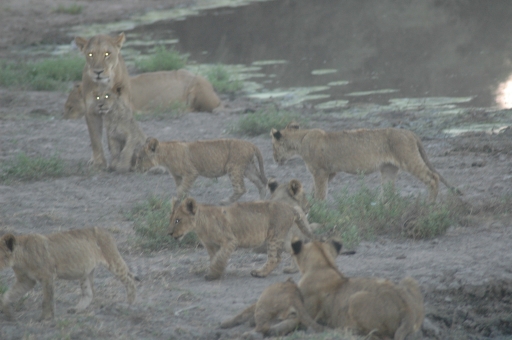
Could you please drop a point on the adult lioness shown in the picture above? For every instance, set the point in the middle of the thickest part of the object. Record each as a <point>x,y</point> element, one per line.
<point>243,224</point>
<point>209,158</point>
<point>156,91</point>
<point>278,311</point>
<point>124,134</point>
<point>356,151</point>
<point>363,305</point>
<point>69,255</point>
<point>104,66</point>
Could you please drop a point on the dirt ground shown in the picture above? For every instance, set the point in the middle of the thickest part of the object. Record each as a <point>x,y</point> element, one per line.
<point>465,275</point>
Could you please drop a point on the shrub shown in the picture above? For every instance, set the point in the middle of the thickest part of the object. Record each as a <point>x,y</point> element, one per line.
<point>262,121</point>
<point>162,60</point>
<point>222,81</point>
<point>27,168</point>
<point>73,9</point>
<point>151,223</point>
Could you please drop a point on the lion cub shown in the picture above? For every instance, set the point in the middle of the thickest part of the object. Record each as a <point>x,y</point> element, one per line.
<point>354,152</point>
<point>68,255</point>
<point>210,158</point>
<point>363,305</point>
<point>124,134</point>
<point>278,311</point>
<point>243,224</point>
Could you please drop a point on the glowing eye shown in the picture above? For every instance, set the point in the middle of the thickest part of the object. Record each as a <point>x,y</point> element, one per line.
<point>177,221</point>
<point>106,96</point>
<point>107,54</point>
<point>97,97</point>
<point>90,54</point>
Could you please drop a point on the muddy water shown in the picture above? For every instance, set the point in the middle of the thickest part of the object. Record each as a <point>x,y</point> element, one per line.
<point>352,51</point>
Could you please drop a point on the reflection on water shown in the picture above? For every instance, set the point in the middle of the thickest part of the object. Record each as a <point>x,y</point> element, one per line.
<point>380,49</point>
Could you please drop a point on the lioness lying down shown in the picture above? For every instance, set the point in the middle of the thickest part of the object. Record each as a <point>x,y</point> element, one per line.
<point>68,255</point>
<point>356,151</point>
<point>209,158</point>
<point>157,91</point>
<point>278,311</point>
<point>243,224</point>
<point>363,305</point>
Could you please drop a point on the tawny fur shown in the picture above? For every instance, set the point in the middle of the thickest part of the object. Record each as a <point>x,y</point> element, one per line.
<point>210,158</point>
<point>243,224</point>
<point>124,134</point>
<point>363,305</point>
<point>104,66</point>
<point>157,91</point>
<point>69,255</point>
<point>278,311</point>
<point>356,152</point>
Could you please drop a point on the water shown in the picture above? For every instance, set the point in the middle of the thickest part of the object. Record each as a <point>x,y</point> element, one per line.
<point>339,52</point>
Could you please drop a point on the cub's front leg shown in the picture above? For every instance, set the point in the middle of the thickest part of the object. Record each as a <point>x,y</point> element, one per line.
<point>48,309</point>
<point>219,261</point>
<point>23,285</point>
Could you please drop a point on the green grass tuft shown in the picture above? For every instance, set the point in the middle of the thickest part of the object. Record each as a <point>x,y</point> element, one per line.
<point>262,121</point>
<point>151,224</point>
<point>25,168</point>
<point>222,81</point>
<point>162,60</point>
<point>43,75</point>
<point>73,9</point>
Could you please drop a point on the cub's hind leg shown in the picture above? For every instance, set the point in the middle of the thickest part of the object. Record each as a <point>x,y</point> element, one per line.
<point>87,287</point>
<point>275,247</point>
<point>388,174</point>
<point>253,175</point>
<point>236,175</point>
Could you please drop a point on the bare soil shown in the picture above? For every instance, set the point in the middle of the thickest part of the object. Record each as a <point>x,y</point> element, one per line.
<point>465,275</point>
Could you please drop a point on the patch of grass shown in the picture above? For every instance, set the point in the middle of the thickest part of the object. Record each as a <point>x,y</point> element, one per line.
<point>3,288</point>
<point>368,212</point>
<point>222,81</point>
<point>73,9</point>
<point>27,168</point>
<point>162,60</point>
<point>151,223</point>
<point>44,75</point>
<point>262,121</point>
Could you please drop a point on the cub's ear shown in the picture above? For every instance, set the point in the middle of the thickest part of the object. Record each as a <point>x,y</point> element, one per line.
<point>295,187</point>
<point>293,125</point>
<point>275,133</point>
<point>272,185</point>
<point>296,246</point>
<point>10,241</point>
<point>151,144</point>
<point>191,205</point>
<point>337,245</point>
<point>81,43</point>
<point>120,40</point>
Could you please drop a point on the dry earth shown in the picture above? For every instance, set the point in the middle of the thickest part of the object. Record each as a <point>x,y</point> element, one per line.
<point>466,275</point>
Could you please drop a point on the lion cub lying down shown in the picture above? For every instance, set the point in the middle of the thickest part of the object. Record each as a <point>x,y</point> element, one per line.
<point>156,91</point>
<point>68,255</point>
<point>278,311</point>
<point>246,225</point>
<point>209,158</point>
<point>356,151</point>
<point>363,305</point>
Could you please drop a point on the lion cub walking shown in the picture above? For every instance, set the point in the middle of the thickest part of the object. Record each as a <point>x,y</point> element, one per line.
<point>242,224</point>
<point>354,152</point>
<point>209,158</point>
<point>363,305</point>
<point>68,255</point>
<point>278,311</point>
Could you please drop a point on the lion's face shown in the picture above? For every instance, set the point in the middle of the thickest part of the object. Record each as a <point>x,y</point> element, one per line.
<point>7,243</point>
<point>283,147</point>
<point>290,193</point>
<point>183,218</point>
<point>147,157</point>
<point>74,107</point>
<point>104,100</point>
<point>101,55</point>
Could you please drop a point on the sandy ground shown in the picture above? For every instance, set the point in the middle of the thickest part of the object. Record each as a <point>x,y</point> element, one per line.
<point>466,275</point>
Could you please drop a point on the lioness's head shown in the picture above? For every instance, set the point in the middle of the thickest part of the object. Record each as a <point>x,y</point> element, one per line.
<point>290,193</point>
<point>183,217</point>
<point>316,254</point>
<point>105,98</point>
<point>101,55</point>
<point>283,143</point>
<point>7,244</point>
<point>147,156</point>
<point>74,107</point>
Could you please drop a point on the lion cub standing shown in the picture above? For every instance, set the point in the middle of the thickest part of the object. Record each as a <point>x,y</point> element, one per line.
<point>242,224</point>
<point>363,305</point>
<point>210,158</point>
<point>69,255</point>
<point>278,311</point>
<point>124,134</point>
<point>356,151</point>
